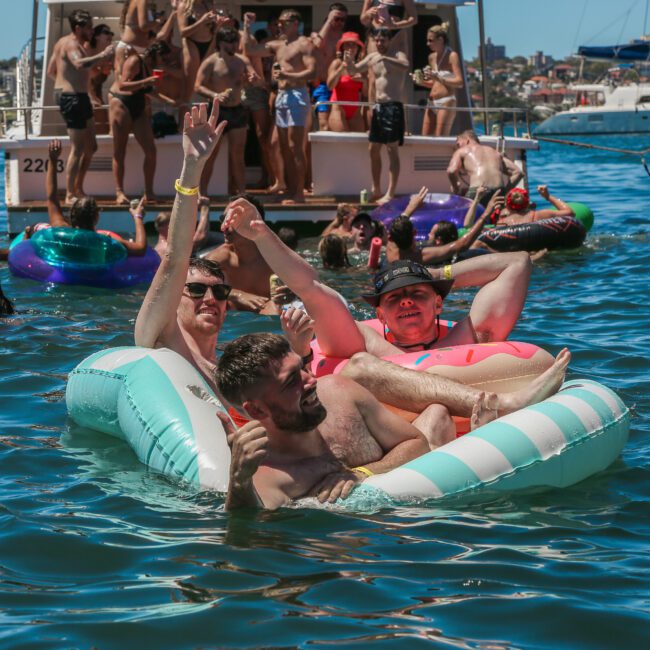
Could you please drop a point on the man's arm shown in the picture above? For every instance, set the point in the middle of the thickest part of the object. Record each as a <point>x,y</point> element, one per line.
<point>203,77</point>
<point>514,173</point>
<point>454,171</point>
<point>337,332</point>
<point>400,440</point>
<point>157,317</point>
<point>309,61</point>
<point>52,65</point>
<point>54,212</point>
<point>137,247</point>
<point>79,63</point>
<point>250,46</point>
<point>562,209</point>
<point>400,60</point>
<point>503,278</point>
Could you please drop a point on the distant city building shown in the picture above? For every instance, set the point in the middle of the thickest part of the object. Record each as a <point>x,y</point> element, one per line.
<point>540,61</point>
<point>493,52</point>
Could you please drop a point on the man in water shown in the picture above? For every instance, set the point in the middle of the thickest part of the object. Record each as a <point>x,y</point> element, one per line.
<point>71,68</point>
<point>308,437</point>
<point>295,66</point>
<point>474,165</point>
<point>390,68</point>
<point>185,305</point>
<point>519,209</point>
<point>222,76</point>
<point>408,299</point>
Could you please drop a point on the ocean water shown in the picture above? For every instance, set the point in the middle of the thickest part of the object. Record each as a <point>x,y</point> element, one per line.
<point>97,551</point>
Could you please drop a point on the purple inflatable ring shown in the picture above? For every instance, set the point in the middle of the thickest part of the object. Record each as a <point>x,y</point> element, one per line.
<point>436,207</point>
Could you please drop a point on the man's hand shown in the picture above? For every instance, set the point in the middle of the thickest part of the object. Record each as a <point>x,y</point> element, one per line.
<point>244,219</point>
<point>54,150</point>
<point>496,201</point>
<point>200,134</point>
<point>248,446</point>
<point>249,19</point>
<point>543,191</point>
<point>335,485</point>
<point>247,301</point>
<point>416,201</point>
<point>334,14</point>
<point>298,327</point>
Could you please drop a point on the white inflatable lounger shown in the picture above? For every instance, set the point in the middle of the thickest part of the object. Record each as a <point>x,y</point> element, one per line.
<point>162,407</point>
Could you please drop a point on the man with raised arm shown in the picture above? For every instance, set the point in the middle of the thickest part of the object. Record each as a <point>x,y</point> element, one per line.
<point>475,165</point>
<point>295,66</point>
<point>71,68</point>
<point>185,305</point>
<point>408,299</point>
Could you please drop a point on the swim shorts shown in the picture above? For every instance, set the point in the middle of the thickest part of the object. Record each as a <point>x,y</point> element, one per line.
<point>255,98</point>
<point>292,107</point>
<point>321,93</point>
<point>387,124</point>
<point>76,109</point>
<point>237,117</point>
<point>485,199</point>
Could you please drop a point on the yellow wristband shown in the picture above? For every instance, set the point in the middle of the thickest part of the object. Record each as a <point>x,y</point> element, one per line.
<point>185,191</point>
<point>363,470</point>
<point>446,272</point>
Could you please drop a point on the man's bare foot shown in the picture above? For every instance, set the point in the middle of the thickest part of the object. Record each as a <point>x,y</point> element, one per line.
<point>484,410</point>
<point>374,195</point>
<point>547,384</point>
<point>385,199</point>
<point>295,200</point>
<point>70,199</point>
<point>121,198</point>
<point>277,188</point>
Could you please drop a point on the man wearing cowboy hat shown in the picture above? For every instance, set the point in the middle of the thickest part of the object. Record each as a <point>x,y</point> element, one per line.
<point>408,300</point>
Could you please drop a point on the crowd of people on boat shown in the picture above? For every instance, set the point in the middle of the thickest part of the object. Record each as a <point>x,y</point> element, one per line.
<point>274,78</point>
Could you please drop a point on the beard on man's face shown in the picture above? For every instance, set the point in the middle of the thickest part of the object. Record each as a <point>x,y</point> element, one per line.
<point>299,421</point>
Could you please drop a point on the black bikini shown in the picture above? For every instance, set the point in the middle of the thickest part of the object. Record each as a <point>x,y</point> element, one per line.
<point>201,46</point>
<point>136,102</point>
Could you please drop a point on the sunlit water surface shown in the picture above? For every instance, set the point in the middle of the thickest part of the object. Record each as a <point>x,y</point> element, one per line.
<point>97,551</point>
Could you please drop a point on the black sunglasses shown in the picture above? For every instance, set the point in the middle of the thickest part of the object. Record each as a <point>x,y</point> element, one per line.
<point>199,289</point>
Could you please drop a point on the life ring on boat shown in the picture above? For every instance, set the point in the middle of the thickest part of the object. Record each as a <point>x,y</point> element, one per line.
<point>162,407</point>
<point>435,208</point>
<point>551,233</point>
<point>75,256</point>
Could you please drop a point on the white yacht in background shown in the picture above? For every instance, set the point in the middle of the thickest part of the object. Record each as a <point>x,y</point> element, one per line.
<point>340,164</point>
<point>610,107</point>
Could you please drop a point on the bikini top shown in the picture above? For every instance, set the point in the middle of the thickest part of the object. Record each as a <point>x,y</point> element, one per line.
<point>395,8</point>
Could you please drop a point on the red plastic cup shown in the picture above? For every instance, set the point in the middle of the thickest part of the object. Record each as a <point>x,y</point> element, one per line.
<point>158,73</point>
<point>375,250</point>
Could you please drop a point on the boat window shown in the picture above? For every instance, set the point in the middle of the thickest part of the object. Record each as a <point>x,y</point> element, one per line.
<point>645,99</point>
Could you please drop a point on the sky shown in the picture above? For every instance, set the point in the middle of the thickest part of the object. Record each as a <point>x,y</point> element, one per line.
<point>557,27</point>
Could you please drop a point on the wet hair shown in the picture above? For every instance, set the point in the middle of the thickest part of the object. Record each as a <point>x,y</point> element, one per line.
<point>6,308</point>
<point>333,252</point>
<point>84,213</point>
<point>291,14</point>
<point>162,220</point>
<point>251,198</point>
<point>402,232</point>
<point>440,30</point>
<point>208,267</point>
<point>156,49</point>
<point>446,232</point>
<point>380,31</point>
<point>260,35</point>
<point>344,209</point>
<point>288,237</point>
<point>339,6</point>
<point>469,133</point>
<point>227,35</point>
<point>245,361</point>
<point>79,18</point>
<point>98,30</point>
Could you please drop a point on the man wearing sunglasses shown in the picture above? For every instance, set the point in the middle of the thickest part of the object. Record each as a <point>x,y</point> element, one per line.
<point>185,305</point>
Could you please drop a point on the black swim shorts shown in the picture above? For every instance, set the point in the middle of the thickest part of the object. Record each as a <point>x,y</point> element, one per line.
<point>387,124</point>
<point>237,117</point>
<point>76,109</point>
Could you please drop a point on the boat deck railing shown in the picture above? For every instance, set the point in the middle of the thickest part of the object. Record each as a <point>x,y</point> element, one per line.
<point>520,118</point>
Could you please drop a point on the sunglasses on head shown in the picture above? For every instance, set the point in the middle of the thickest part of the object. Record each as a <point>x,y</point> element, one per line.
<point>199,289</point>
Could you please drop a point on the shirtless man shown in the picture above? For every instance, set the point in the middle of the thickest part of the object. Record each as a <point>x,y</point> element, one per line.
<point>390,69</point>
<point>222,76</point>
<point>185,305</point>
<point>70,69</point>
<point>325,42</point>
<point>295,66</point>
<point>200,234</point>
<point>341,225</point>
<point>474,165</point>
<point>408,299</point>
<point>296,445</point>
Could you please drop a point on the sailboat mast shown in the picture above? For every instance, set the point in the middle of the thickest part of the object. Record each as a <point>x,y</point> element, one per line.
<point>484,72</point>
